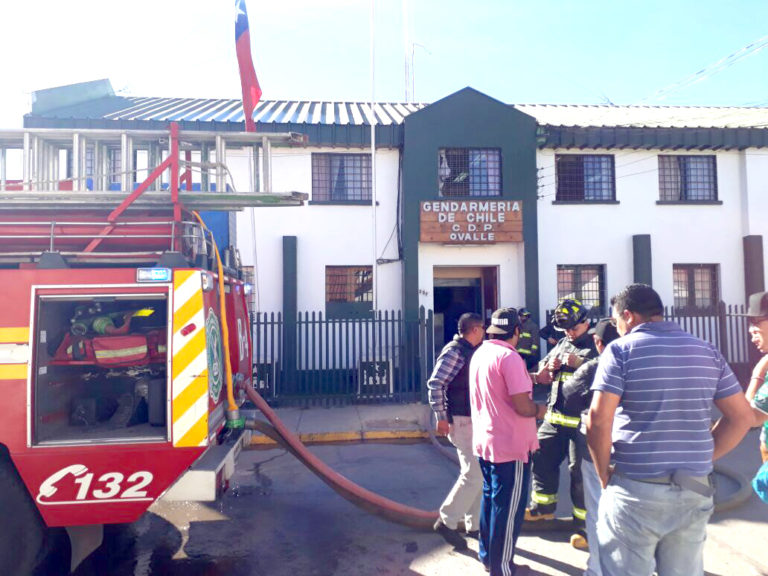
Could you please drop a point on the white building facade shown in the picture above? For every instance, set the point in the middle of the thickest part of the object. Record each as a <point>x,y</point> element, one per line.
<point>605,196</point>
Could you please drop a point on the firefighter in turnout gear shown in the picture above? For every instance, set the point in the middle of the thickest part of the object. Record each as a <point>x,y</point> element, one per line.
<point>557,434</point>
<point>528,345</point>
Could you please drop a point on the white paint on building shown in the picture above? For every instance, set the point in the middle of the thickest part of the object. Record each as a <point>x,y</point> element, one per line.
<point>568,233</point>
<point>327,234</point>
<point>680,234</point>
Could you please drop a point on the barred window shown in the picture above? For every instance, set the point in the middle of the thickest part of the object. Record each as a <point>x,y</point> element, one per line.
<point>695,285</point>
<point>348,283</point>
<point>584,282</point>
<point>341,177</point>
<point>585,177</point>
<point>687,178</point>
<point>469,172</point>
<point>115,165</point>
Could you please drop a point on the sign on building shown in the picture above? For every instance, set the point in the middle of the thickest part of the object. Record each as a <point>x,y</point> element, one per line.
<point>471,222</point>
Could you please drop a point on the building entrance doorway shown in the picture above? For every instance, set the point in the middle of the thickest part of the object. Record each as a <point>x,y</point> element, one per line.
<point>460,289</point>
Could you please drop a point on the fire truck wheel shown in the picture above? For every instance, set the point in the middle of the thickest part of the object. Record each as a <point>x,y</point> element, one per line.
<point>22,532</point>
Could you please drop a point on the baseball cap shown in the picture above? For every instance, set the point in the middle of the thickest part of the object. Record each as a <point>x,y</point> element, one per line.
<point>503,322</point>
<point>605,330</point>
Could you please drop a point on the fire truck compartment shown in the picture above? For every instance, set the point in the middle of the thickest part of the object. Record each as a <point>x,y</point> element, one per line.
<point>100,369</point>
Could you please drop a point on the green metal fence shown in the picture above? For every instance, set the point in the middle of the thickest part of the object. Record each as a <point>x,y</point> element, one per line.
<point>723,325</point>
<point>318,360</point>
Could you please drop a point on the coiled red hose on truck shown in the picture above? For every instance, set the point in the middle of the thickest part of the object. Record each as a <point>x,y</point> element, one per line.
<point>359,496</point>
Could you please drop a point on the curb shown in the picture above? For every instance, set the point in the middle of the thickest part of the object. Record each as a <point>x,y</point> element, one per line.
<point>338,437</point>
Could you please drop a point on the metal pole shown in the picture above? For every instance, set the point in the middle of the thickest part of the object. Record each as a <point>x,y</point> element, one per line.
<point>253,174</point>
<point>406,50</point>
<point>266,163</point>
<point>373,155</point>
<point>220,154</point>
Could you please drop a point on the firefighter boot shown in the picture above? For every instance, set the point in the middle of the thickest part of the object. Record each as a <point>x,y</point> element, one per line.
<point>537,513</point>
<point>579,541</point>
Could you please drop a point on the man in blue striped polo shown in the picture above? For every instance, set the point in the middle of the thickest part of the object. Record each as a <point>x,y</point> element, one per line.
<point>653,395</point>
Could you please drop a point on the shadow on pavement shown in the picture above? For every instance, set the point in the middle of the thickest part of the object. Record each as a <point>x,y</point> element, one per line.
<point>551,562</point>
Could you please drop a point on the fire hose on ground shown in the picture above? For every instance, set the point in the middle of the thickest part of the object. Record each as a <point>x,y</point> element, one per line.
<point>407,515</point>
<point>357,495</point>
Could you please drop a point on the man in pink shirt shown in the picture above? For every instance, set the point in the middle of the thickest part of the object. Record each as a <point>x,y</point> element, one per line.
<point>503,437</point>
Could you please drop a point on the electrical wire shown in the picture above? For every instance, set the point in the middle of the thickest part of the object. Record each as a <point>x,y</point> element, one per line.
<point>749,50</point>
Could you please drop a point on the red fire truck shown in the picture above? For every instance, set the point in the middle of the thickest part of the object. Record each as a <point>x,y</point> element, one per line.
<point>125,345</point>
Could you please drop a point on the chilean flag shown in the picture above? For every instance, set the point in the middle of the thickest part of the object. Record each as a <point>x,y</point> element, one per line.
<point>251,88</point>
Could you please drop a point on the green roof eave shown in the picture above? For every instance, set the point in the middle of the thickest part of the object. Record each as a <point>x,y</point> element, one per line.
<point>651,138</point>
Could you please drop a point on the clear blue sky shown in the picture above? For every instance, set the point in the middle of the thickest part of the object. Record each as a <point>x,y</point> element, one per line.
<point>537,51</point>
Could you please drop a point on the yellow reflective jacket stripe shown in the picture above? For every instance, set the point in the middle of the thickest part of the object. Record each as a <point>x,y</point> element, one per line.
<point>540,498</point>
<point>122,353</point>
<point>562,419</point>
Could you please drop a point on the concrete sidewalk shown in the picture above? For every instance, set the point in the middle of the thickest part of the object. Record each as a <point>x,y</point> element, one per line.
<point>353,423</point>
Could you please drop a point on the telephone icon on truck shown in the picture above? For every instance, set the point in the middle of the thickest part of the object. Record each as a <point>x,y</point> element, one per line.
<point>48,487</point>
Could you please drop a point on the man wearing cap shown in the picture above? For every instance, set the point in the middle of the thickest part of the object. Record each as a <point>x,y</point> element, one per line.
<point>557,434</point>
<point>652,414</point>
<point>504,435</point>
<point>757,391</point>
<point>577,397</point>
<point>449,397</point>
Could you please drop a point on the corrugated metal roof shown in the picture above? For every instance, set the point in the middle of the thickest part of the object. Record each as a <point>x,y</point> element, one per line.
<point>266,112</point>
<point>646,116</point>
<point>326,113</point>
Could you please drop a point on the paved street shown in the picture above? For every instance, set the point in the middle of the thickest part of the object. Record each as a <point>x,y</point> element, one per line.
<point>280,520</point>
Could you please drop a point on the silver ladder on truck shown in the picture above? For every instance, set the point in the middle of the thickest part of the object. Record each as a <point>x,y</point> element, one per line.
<point>51,177</point>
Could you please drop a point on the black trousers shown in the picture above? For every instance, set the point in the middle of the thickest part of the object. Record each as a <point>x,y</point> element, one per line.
<point>555,444</point>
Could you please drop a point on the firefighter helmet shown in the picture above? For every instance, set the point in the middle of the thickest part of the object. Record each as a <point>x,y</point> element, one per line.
<point>569,313</point>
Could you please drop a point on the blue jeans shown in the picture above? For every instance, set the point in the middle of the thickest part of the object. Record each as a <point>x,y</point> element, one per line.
<point>642,527</point>
<point>592,490</point>
<point>505,493</point>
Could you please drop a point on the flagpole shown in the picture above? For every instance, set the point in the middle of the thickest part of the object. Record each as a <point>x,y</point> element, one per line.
<point>373,160</point>
<point>406,43</point>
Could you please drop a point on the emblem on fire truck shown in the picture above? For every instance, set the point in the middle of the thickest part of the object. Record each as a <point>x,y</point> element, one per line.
<point>213,345</point>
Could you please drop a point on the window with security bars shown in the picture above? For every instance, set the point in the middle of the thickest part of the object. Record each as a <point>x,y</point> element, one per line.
<point>341,177</point>
<point>469,172</point>
<point>115,165</point>
<point>349,284</point>
<point>583,282</point>
<point>585,177</point>
<point>695,286</point>
<point>687,178</point>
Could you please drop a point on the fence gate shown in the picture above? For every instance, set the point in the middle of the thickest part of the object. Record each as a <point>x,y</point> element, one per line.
<point>320,360</point>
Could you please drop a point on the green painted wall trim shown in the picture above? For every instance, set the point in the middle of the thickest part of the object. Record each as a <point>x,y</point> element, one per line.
<point>754,267</point>
<point>642,260</point>
<point>468,119</point>
<point>290,304</point>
